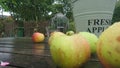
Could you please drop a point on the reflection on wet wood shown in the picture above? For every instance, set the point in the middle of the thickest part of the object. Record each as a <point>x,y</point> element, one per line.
<point>23,53</point>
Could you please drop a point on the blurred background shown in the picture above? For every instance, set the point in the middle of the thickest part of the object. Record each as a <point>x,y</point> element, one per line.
<point>20,18</point>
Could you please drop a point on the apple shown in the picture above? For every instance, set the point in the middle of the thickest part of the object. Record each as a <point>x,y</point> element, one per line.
<point>92,39</point>
<point>108,46</point>
<point>54,35</point>
<point>38,37</point>
<point>58,33</point>
<point>69,32</point>
<point>69,51</point>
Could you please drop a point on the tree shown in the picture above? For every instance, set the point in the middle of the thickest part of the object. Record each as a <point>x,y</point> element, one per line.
<point>36,10</point>
<point>65,7</point>
<point>28,9</point>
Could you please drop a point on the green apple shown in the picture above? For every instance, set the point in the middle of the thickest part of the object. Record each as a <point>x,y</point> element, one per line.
<point>108,46</point>
<point>69,51</point>
<point>69,32</point>
<point>92,39</point>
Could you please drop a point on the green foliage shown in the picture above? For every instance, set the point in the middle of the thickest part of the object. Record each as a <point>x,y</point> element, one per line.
<point>28,9</point>
<point>8,19</point>
<point>35,10</point>
<point>1,25</point>
<point>116,15</point>
<point>71,26</point>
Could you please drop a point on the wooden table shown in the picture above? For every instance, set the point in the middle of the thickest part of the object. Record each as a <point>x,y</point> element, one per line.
<point>23,53</point>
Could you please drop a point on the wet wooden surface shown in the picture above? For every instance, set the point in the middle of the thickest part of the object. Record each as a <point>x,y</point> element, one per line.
<point>23,53</point>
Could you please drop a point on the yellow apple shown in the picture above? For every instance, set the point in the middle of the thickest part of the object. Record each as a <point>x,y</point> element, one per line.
<point>108,47</point>
<point>69,51</point>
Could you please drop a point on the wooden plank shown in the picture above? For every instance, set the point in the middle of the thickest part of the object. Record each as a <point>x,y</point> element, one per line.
<point>27,61</point>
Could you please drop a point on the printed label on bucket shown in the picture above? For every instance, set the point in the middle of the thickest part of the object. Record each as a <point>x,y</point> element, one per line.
<point>98,25</point>
<point>93,15</point>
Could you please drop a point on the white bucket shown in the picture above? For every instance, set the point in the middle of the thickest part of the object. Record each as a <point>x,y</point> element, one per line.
<point>93,15</point>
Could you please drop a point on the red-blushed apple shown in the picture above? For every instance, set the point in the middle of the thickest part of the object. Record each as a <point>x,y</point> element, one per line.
<point>69,51</point>
<point>92,39</point>
<point>108,46</point>
<point>38,37</point>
